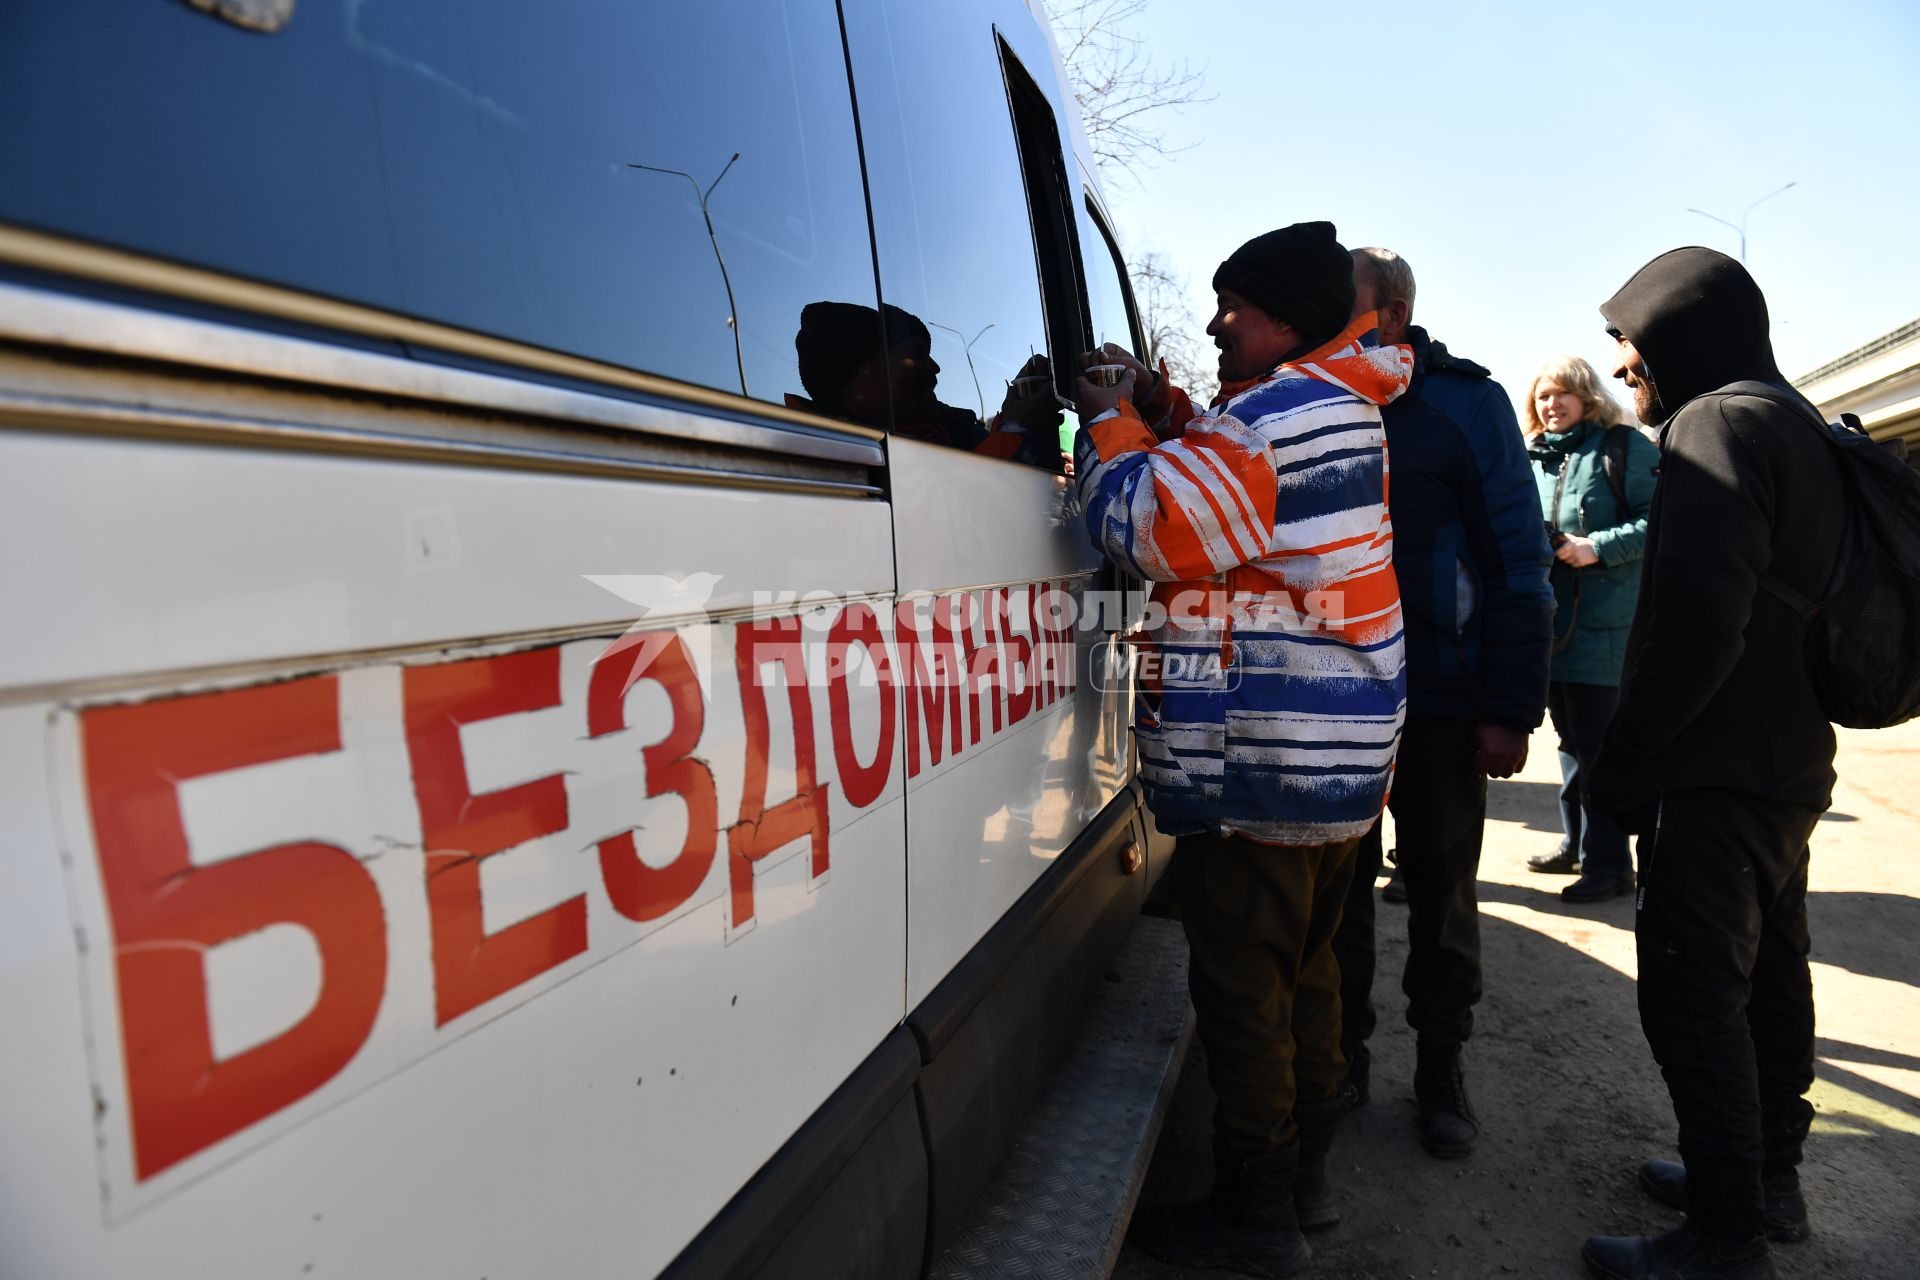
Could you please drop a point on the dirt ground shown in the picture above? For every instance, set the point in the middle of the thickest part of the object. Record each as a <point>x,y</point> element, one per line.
<point>1569,1099</point>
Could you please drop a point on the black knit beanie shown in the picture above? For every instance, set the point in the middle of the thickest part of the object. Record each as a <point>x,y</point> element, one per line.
<point>1300,275</point>
<point>836,338</point>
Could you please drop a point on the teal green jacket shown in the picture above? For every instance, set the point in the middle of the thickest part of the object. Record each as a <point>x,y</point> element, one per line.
<point>1607,591</point>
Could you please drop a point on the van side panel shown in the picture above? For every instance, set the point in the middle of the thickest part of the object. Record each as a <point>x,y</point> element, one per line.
<point>524,952</point>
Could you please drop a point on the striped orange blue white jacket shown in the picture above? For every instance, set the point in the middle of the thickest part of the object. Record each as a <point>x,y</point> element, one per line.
<point>1272,703</point>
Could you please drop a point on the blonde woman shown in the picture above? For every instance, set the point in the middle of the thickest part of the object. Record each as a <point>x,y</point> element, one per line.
<point>1596,477</point>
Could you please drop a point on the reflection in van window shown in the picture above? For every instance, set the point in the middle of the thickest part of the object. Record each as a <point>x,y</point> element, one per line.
<point>1106,284</point>
<point>876,368</point>
<point>950,209</point>
<point>470,162</point>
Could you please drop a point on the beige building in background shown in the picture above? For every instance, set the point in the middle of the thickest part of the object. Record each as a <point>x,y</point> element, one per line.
<point>1879,381</point>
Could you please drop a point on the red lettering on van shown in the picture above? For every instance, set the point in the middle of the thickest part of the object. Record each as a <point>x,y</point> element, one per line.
<point>1019,659</point>
<point>860,783</point>
<point>981,659</point>
<point>1056,651</point>
<point>762,830</point>
<point>167,913</point>
<point>932,687</point>
<point>1042,669</point>
<point>470,965</point>
<point>638,891</point>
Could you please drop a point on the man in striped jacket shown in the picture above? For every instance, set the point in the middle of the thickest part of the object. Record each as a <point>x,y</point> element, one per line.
<point>1271,704</point>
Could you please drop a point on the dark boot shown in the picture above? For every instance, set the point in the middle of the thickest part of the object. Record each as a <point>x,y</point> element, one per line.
<point>1598,888</point>
<point>1681,1254</point>
<point>1359,1085</point>
<point>1447,1125</point>
<point>1561,862</point>
<point>1247,1225</point>
<point>1784,1219</point>
<point>1312,1193</point>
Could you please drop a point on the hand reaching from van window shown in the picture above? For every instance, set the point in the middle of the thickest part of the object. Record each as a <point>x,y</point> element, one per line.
<point>1576,551</point>
<point>1030,402</point>
<point>1502,752</point>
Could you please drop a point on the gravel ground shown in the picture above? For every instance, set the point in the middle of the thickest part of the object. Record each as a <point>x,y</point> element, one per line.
<point>1569,1099</point>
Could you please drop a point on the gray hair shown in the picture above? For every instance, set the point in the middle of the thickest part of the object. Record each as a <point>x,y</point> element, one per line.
<point>1389,275</point>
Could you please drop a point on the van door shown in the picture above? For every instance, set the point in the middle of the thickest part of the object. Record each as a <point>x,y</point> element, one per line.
<point>1016,751</point>
<point>1009,758</point>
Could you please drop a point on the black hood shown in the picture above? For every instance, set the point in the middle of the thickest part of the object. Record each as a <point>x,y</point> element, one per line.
<point>1698,320</point>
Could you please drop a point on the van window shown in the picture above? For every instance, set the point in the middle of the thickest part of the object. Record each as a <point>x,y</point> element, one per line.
<point>1050,205</point>
<point>471,162</point>
<point>1107,294</point>
<point>951,222</point>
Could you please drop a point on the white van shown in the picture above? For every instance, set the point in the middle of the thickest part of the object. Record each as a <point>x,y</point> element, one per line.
<point>541,731</point>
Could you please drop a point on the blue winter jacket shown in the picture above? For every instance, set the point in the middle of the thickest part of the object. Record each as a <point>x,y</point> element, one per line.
<point>1470,548</point>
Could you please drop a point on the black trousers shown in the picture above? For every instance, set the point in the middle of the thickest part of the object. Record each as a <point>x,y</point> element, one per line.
<point>1266,992</point>
<point>1726,998</point>
<point>1439,805</point>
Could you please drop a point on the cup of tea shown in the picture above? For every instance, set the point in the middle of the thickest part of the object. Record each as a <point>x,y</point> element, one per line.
<point>1105,375</point>
<point>1033,387</point>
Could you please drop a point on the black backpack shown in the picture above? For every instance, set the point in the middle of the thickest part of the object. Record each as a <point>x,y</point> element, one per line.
<point>1863,636</point>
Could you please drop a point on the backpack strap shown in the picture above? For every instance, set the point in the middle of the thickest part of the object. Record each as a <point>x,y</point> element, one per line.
<point>1780,396</point>
<point>1613,462</point>
<point>1775,586</point>
<point>1807,609</point>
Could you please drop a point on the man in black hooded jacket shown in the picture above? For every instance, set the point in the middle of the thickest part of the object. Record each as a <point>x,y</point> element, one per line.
<point>1720,757</point>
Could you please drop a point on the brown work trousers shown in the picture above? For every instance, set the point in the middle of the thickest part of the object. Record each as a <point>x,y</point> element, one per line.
<point>1260,921</point>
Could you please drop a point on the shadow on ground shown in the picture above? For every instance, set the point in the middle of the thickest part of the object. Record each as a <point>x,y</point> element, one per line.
<point>1875,935</point>
<point>1570,1103</point>
<point>1535,805</point>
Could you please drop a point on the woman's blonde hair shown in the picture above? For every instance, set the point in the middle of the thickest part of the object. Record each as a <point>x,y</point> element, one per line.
<point>1571,373</point>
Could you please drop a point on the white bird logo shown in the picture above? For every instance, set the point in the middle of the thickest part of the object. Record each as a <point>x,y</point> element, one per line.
<point>661,597</point>
<point>666,603</point>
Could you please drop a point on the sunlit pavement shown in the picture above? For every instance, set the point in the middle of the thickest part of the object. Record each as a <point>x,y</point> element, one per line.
<point>1570,1101</point>
<point>1864,904</point>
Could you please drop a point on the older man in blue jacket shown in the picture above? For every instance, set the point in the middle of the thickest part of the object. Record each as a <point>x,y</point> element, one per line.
<point>1471,555</point>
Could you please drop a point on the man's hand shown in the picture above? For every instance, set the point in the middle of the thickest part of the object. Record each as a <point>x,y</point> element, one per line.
<point>1502,751</point>
<point>1038,414</point>
<point>1576,551</point>
<point>1145,380</point>
<point>1091,401</point>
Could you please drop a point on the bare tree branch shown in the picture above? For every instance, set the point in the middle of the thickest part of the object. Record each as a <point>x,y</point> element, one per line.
<point>1123,96</point>
<point>1119,89</point>
<point>1171,330</point>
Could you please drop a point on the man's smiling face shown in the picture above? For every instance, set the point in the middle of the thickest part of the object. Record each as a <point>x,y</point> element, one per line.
<point>1251,342</point>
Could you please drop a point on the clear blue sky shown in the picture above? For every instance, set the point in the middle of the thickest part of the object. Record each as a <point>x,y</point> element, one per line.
<point>1527,158</point>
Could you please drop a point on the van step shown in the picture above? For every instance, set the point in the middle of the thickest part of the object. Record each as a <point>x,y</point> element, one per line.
<point>1059,1203</point>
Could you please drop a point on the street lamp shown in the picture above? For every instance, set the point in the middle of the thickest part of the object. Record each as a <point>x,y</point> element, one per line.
<point>1741,226</point>
<point>733,311</point>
